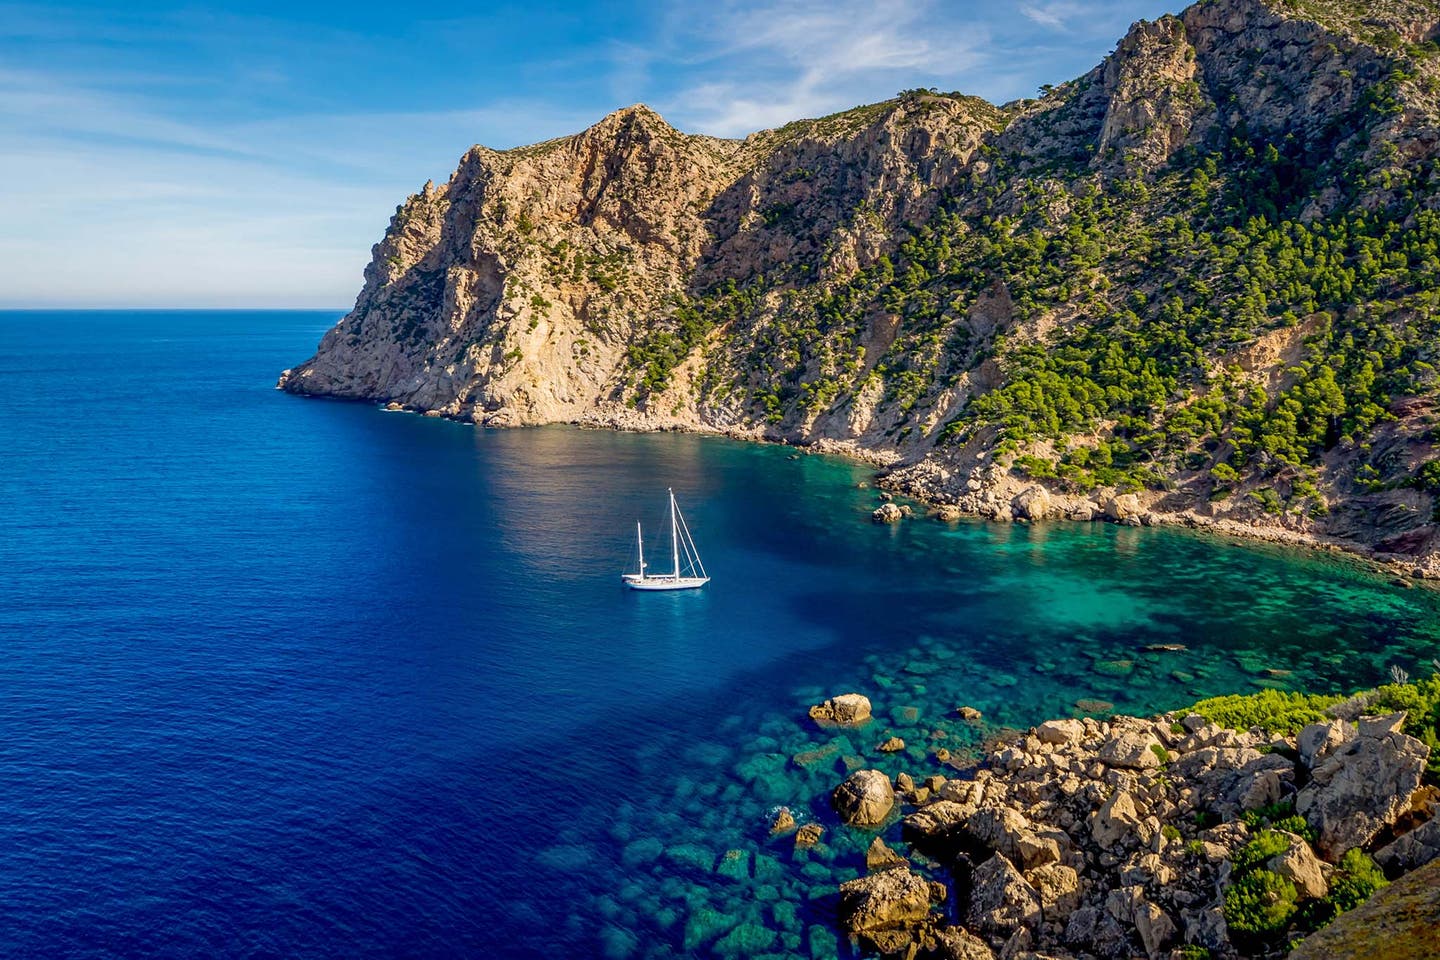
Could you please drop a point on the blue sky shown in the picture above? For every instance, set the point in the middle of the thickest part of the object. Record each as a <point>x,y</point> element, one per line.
<point>249,155</point>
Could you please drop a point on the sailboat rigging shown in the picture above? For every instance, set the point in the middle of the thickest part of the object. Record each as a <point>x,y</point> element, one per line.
<point>687,577</point>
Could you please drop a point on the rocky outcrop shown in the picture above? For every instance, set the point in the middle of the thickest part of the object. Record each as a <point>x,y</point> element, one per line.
<point>1067,843</point>
<point>883,906</point>
<point>1363,786</point>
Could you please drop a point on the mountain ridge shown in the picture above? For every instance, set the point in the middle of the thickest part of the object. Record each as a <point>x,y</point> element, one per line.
<point>1142,282</point>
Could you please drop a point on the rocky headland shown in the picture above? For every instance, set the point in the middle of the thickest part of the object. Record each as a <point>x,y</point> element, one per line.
<point>1169,837</point>
<point>1198,284</point>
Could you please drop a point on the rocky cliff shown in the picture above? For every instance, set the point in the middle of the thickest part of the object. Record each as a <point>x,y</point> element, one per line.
<point>1204,274</point>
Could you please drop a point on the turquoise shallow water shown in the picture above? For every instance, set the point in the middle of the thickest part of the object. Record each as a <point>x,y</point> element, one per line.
<point>295,678</point>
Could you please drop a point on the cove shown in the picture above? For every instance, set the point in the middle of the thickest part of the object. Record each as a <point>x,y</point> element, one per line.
<point>289,678</point>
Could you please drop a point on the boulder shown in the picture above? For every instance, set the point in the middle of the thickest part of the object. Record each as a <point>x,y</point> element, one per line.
<point>957,943</point>
<point>1361,788</point>
<point>937,819</point>
<point>865,799</point>
<point>808,835</point>
<point>968,713</point>
<point>1001,899</point>
<point>1116,821</point>
<point>1230,779</point>
<point>1301,867</point>
<point>1124,507</point>
<point>881,857</point>
<point>846,710</point>
<point>885,900</point>
<point>1060,732</point>
<point>1156,929</point>
<point>887,513</point>
<point>1059,888</point>
<point>893,745</point>
<point>1414,849</point>
<point>1319,740</point>
<point>1033,503</point>
<point>1206,928</point>
<point>1131,750</point>
<point>782,822</point>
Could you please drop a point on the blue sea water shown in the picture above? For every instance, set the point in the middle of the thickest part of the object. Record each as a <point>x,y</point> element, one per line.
<point>295,678</point>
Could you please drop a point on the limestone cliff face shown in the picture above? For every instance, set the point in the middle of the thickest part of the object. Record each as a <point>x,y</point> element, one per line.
<point>788,285</point>
<point>510,294</point>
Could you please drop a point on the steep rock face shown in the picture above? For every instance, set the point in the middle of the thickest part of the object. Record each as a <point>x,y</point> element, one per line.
<point>1239,200</point>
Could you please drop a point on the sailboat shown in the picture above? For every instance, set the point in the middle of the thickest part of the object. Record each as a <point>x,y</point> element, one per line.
<point>689,577</point>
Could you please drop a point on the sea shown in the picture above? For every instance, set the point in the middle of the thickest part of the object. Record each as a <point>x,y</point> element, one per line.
<point>296,678</point>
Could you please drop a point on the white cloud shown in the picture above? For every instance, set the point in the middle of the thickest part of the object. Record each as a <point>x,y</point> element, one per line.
<point>1052,15</point>
<point>763,65</point>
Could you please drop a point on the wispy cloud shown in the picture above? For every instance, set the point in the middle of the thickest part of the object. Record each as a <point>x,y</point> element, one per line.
<point>1052,15</point>
<point>761,65</point>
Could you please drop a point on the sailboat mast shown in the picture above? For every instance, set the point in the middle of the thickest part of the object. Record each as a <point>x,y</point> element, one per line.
<point>674,537</point>
<point>640,539</point>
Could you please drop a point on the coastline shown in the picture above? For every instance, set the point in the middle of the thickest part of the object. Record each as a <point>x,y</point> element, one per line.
<point>894,474</point>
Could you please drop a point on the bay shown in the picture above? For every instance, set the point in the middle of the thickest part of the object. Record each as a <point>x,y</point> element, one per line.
<point>291,678</point>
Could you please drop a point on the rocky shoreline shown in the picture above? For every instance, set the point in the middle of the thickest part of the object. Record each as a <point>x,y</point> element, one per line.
<point>1167,837</point>
<point>1007,499</point>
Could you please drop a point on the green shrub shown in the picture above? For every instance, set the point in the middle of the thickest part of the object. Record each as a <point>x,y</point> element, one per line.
<point>1421,702</point>
<point>1295,824</point>
<point>1260,904</point>
<point>1170,832</point>
<point>1193,951</point>
<point>1356,880</point>
<point>1263,846</point>
<point>1273,711</point>
<point>1195,847</point>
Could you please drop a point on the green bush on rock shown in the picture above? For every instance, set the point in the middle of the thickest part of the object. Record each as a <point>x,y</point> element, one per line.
<point>1355,882</point>
<point>1263,846</point>
<point>1260,904</point>
<point>1273,711</point>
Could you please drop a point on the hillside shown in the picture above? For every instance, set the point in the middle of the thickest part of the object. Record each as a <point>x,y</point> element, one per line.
<point>1204,273</point>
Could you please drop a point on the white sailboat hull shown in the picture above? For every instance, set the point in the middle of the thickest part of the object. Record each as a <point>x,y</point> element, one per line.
<point>687,576</point>
<point>635,582</point>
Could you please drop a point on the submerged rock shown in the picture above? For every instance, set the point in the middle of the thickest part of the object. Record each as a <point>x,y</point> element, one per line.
<point>893,745</point>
